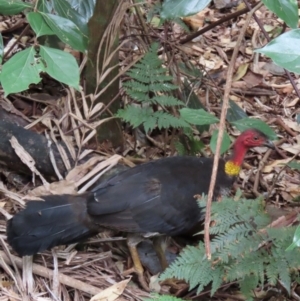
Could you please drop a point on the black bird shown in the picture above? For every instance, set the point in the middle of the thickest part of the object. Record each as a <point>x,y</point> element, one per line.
<point>157,197</point>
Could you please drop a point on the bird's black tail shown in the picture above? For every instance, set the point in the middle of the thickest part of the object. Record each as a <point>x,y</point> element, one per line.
<point>58,220</point>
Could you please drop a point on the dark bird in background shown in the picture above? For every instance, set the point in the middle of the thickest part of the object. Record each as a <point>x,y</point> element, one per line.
<point>157,197</point>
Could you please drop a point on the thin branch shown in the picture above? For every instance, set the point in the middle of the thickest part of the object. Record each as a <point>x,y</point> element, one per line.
<point>221,131</point>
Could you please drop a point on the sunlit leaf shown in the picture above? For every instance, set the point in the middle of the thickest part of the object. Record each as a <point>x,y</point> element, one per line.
<point>21,70</point>
<point>172,9</point>
<point>38,24</point>
<point>61,65</point>
<point>65,10</point>
<point>284,50</point>
<point>67,31</point>
<point>287,10</point>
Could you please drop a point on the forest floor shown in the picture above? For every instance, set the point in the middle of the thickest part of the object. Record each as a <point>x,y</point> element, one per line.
<point>260,89</point>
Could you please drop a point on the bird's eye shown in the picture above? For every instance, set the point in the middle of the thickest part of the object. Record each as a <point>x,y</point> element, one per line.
<point>255,138</point>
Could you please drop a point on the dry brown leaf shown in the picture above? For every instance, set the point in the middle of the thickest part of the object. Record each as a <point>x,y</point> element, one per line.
<point>59,187</point>
<point>95,174</point>
<point>112,292</point>
<point>80,171</point>
<point>293,149</point>
<point>291,124</point>
<point>252,79</point>
<point>288,90</point>
<point>242,69</point>
<point>276,163</point>
<point>197,21</point>
<point>293,189</point>
<point>26,158</point>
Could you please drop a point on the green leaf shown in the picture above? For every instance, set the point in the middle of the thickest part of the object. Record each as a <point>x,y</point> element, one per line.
<point>61,65</point>
<point>191,99</point>
<point>296,240</point>
<point>38,24</point>
<point>225,142</point>
<point>287,10</point>
<point>284,50</point>
<point>21,70</point>
<point>135,115</point>
<point>197,117</point>
<point>65,10</point>
<point>44,6</point>
<point>1,48</point>
<point>294,165</point>
<point>172,9</point>
<point>84,8</point>
<point>234,112</point>
<point>166,120</point>
<point>67,31</point>
<point>246,123</point>
<point>12,7</point>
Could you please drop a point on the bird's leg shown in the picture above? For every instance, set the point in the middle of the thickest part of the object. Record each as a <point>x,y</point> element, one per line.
<point>132,242</point>
<point>159,244</point>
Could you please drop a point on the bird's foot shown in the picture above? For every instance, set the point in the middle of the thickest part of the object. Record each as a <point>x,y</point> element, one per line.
<point>141,277</point>
<point>132,242</point>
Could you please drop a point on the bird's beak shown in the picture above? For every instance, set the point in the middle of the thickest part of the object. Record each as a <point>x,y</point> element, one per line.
<point>269,144</point>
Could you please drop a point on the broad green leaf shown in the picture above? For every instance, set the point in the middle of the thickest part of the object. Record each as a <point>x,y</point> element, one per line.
<point>296,240</point>
<point>65,10</point>
<point>44,6</point>
<point>21,70</point>
<point>294,165</point>
<point>192,102</point>
<point>1,48</point>
<point>225,142</point>
<point>287,10</point>
<point>172,9</point>
<point>38,24</point>
<point>197,117</point>
<point>246,123</point>
<point>234,112</point>
<point>67,31</point>
<point>284,50</point>
<point>84,8</point>
<point>61,65</point>
<point>12,7</point>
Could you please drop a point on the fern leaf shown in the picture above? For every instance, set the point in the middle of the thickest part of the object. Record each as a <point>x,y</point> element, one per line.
<point>165,120</point>
<point>166,100</point>
<point>135,115</point>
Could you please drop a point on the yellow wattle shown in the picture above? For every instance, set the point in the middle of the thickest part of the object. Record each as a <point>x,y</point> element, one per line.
<point>232,169</point>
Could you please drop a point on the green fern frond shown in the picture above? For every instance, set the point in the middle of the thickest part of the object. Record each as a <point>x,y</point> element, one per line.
<point>245,250</point>
<point>248,284</point>
<point>136,86</point>
<point>149,85</point>
<point>166,120</point>
<point>165,100</point>
<point>156,297</point>
<point>135,115</point>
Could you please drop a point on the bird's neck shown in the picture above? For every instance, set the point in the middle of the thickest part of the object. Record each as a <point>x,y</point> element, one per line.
<point>234,163</point>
